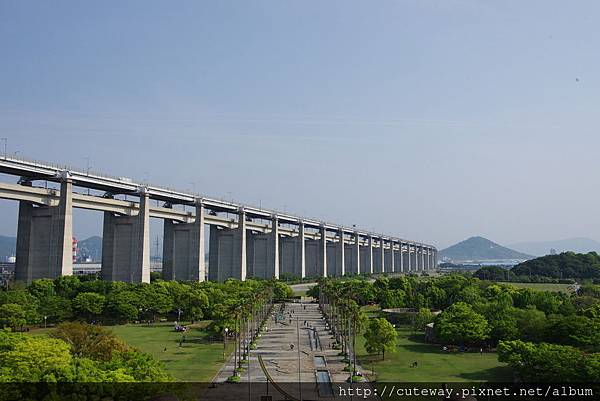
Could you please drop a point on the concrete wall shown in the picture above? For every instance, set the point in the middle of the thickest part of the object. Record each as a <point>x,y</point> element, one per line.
<point>312,258</point>
<point>351,259</point>
<point>389,261</point>
<point>333,267</point>
<point>227,254</point>
<point>183,249</point>
<point>260,255</point>
<point>126,245</point>
<point>44,238</point>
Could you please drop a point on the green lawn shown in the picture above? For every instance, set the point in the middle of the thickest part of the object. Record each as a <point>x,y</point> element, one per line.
<point>543,286</point>
<point>434,364</point>
<point>198,360</point>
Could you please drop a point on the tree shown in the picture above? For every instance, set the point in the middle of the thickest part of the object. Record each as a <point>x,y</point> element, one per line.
<point>89,304</point>
<point>55,308</point>
<point>89,341</point>
<point>12,315</point>
<point>460,324</point>
<point>282,291</point>
<point>33,359</point>
<point>423,318</point>
<point>380,337</point>
<point>531,323</point>
<point>28,302</point>
<point>122,306</point>
<point>392,299</point>
<point>549,362</point>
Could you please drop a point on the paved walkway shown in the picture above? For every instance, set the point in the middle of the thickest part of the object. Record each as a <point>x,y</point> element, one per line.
<point>296,321</point>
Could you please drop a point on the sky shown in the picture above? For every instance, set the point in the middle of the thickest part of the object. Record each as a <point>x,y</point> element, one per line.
<point>429,120</point>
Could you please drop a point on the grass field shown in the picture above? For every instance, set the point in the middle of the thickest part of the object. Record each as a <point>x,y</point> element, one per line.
<point>198,360</point>
<point>434,364</point>
<point>543,286</point>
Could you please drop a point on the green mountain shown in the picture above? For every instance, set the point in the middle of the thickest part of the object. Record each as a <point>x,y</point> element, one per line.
<point>480,249</point>
<point>565,265</point>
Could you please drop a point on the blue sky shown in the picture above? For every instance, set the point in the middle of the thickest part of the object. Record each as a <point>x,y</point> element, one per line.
<point>434,120</point>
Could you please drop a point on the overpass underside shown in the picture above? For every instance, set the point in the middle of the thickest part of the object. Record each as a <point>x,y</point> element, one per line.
<point>252,243</point>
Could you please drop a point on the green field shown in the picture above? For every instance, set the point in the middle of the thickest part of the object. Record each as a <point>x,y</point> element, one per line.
<point>543,286</point>
<point>198,360</point>
<point>434,364</point>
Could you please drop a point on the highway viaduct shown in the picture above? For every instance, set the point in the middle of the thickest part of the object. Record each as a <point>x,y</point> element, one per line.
<point>253,243</point>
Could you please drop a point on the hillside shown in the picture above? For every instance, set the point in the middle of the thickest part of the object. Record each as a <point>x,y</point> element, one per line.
<point>542,248</point>
<point>479,249</point>
<point>8,247</point>
<point>88,247</point>
<point>91,247</point>
<point>565,265</point>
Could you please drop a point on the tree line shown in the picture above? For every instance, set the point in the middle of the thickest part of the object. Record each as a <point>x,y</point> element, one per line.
<point>484,314</point>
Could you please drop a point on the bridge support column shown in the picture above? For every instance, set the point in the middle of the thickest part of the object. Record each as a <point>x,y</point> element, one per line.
<point>323,252</point>
<point>401,258</point>
<point>382,253</point>
<point>370,255</point>
<point>183,249</point>
<point>45,238</point>
<point>390,259</point>
<point>126,245</point>
<point>356,257</point>
<point>228,252</point>
<point>408,259</point>
<point>340,267</point>
<point>301,250</point>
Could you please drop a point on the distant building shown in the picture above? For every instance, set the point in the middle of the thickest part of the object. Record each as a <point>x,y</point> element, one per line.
<point>553,251</point>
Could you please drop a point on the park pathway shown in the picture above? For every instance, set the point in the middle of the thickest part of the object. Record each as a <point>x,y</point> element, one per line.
<point>287,324</point>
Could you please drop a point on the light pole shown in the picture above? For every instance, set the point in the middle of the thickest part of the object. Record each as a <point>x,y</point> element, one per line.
<point>179,312</point>
<point>87,169</point>
<point>226,330</point>
<point>299,376</point>
<point>45,318</point>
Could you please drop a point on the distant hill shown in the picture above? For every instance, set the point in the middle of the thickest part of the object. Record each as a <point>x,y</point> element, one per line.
<point>91,247</point>
<point>88,247</point>
<point>8,247</point>
<point>566,265</point>
<point>480,249</point>
<point>542,248</point>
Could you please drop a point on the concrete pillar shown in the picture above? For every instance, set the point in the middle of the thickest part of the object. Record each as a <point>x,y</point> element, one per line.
<point>241,252</point>
<point>323,252</point>
<point>126,245</point>
<point>340,260</point>
<point>392,263</point>
<point>228,251</point>
<point>274,245</point>
<point>409,258</point>
<point>401,257</point>
<point>428,260</point>
<point>45,238</point>
<point>183,249</point>
<point>370,255</point>
<point>301,250</point>
<point>382,253</point>
<point>356,250</point>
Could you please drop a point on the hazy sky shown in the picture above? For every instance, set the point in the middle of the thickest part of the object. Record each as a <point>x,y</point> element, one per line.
<point>433,120</point>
